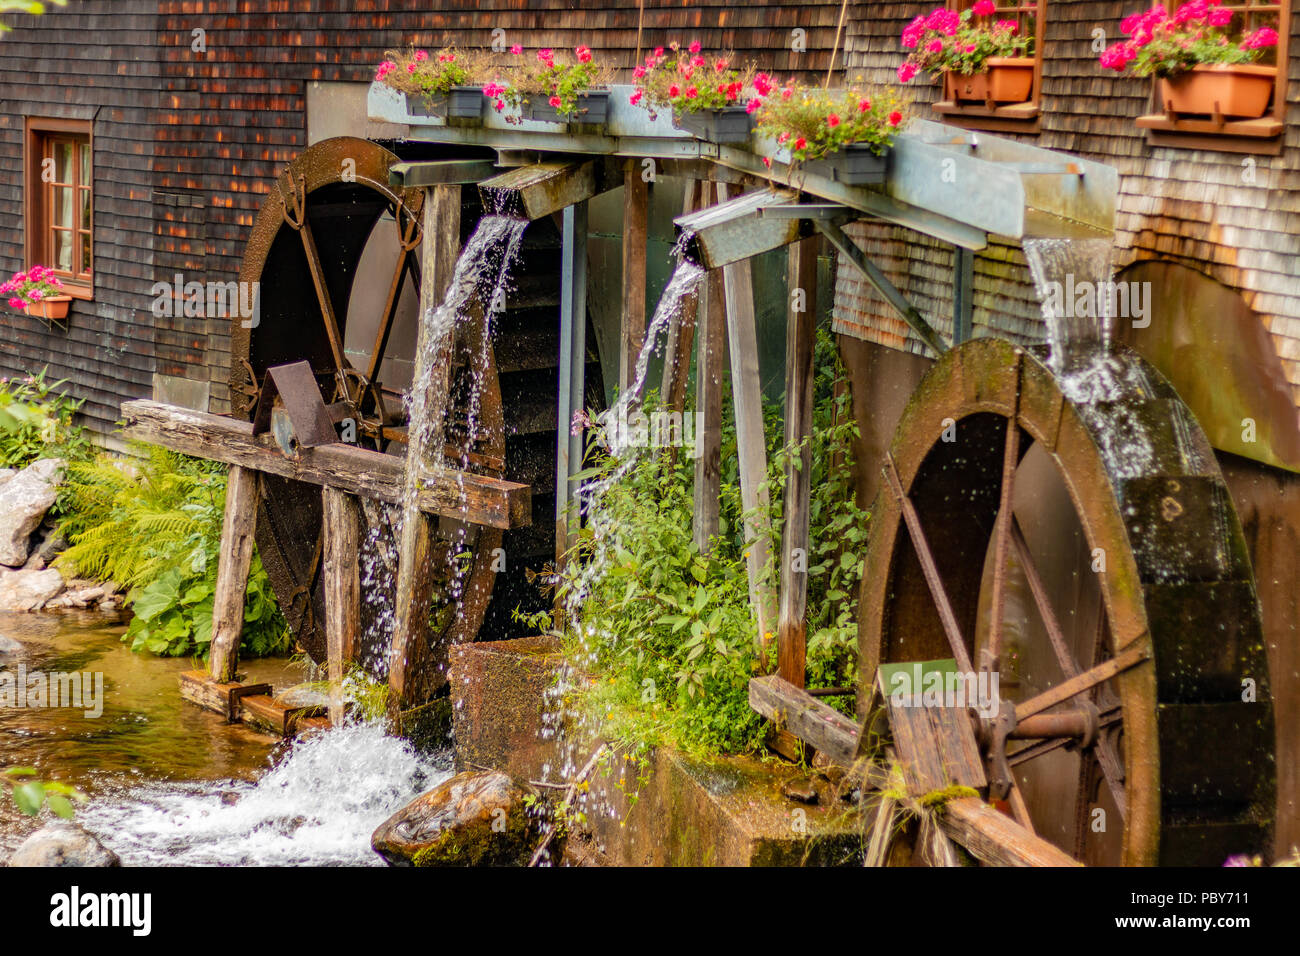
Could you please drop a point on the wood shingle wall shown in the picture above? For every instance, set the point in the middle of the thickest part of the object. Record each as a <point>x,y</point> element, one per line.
<point>1196,207</point>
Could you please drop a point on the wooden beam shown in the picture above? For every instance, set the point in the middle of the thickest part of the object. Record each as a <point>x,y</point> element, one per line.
<point>680,340</point>
<point>800,343</point>
<point>747,397</point>
<point>360,471</point>
<point>541,189</point>
<point>573,364</point>
<point>994,838</point>
<point>792,708</point>
<point>709,365</point>
<point>636,221</point>
<point>411,660</point>
<point>342,530</point>
<point>237,527</point>
<point>198,687</point>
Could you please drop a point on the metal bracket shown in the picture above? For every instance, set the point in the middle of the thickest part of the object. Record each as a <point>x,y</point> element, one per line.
<point>291,407</point>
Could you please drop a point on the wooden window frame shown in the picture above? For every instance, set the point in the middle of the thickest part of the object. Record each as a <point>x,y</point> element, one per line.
<point>1014,117</point>
<point>1263,135</point>
<point>38,200</point>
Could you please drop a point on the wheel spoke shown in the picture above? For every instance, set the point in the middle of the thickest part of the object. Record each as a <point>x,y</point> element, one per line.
<point>1081,682</point>
<point>928,567</point>
<point>1010,459</point>
<point>322,293</point>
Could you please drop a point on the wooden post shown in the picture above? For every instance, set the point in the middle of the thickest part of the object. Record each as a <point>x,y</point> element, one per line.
<point>708,405</point>
<point>746,395</point>
<point>342,588</point>
<point>408,654</point>
<point>681,333</point>
<point>573,362</point>
<point>636,225</point>
<point>237,528</point>
<point>800,342</point>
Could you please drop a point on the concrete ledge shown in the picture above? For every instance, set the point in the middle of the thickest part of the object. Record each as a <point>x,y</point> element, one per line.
<point>669,810</point>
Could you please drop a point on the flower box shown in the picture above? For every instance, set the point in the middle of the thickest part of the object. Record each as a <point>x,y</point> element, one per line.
<point>854,165</point>
<point>592,109</point>
<point>1238,90</point>
<point>53,309</point>
<point>1005,79</point>
<point>462,102</point>
<point>732,124</point>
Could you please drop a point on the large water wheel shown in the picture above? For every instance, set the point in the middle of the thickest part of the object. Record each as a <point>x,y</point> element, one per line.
<point>1090,556</point>
<point>336,252</point>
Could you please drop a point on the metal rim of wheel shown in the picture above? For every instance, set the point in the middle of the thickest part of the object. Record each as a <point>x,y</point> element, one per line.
<point>1158,719</point>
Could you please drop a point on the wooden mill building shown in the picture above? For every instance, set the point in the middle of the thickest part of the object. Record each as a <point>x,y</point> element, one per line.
<point>180,117</point>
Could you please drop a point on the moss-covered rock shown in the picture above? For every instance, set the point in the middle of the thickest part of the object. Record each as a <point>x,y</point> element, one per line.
<point>472,819</point>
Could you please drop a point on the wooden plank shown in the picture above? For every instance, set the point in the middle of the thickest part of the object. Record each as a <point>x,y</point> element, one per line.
<point>995,838</point>
<point>411,661</point>
<point>708,405</point>
<point>747,397</point>
<point>573,364</point>
<point>268,715</point>
<point>541,189</point>
<point>342,529</point>
<point>793,709</point>
<point>237,528</point>
<point>198,687</point>
<point>680,340</point>
<point>360,471</point>
<point>800,342</point>
<point>636,219</point>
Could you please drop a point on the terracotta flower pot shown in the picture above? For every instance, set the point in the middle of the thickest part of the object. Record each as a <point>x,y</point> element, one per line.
<point>53,309</point>
<point>1005,79</point>
<point>1240,90</point>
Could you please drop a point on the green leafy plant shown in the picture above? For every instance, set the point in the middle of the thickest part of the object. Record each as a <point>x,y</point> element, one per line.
<point>30,794</point>
<point>687,81</point>
<point>665,641</point>
<point>36,422</point>
<point>813,123</point>
<point>154,526</point>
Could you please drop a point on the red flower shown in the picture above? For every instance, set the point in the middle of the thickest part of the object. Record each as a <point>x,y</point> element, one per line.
<point>985,8</point>
<point>800,143</point>
<point>695,47</point>
<point>864,106</point>
<point>692,93</point>
<point>583,54</point>
<point>895,118</point>
<point>554,101</point>
<point>833,121</point>
<point>767,161</point>
<point>674,90</point>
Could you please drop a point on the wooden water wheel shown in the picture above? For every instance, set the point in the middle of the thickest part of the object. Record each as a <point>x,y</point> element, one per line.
<point>335,250</point>
<point>1091,558</point>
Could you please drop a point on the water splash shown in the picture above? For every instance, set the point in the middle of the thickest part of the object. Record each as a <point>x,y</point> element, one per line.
<point>317,806</point>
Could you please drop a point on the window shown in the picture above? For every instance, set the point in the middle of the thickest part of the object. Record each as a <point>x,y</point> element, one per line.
<point>1263,135</point>
<point>60,203</point>
<point>1019,116</point>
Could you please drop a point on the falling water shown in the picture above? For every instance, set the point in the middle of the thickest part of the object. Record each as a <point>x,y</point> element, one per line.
<point>317,805</point>
<point>1072,277</point>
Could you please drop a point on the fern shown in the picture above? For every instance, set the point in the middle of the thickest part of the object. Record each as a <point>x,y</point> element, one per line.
<point>153,525</point>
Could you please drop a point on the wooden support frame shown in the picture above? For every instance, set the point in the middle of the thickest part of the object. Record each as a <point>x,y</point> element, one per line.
<point>342,530</point>
<point>746,395</point>
<point>237,527</point>
<point>573,361</point>
<point>408,653</point>
<point>636,231</point>
<point>800,343</point>
<point>709,364</point>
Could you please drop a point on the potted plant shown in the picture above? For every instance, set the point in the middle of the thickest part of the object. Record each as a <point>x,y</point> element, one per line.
<point>708,97</point>
<point>844,135</point>
<point>38,291</point>
<point>436,84</point>
<point>1202,69</point>
<point>981,59</point>
<point>552,88</point>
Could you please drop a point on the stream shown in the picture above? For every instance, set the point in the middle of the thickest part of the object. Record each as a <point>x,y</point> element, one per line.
<point>171,783</point>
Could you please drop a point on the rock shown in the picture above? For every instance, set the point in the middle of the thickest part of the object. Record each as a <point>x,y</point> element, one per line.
<point>35,562</point>
<point>473,819</point>
<point>6,474</point>
<point>63,844</point>
<point>10,648</point>
<point>801,789</point>
<point>28,590</point>
<point>229,798</point>
<point>53,545</point>
<point>24,499</point>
